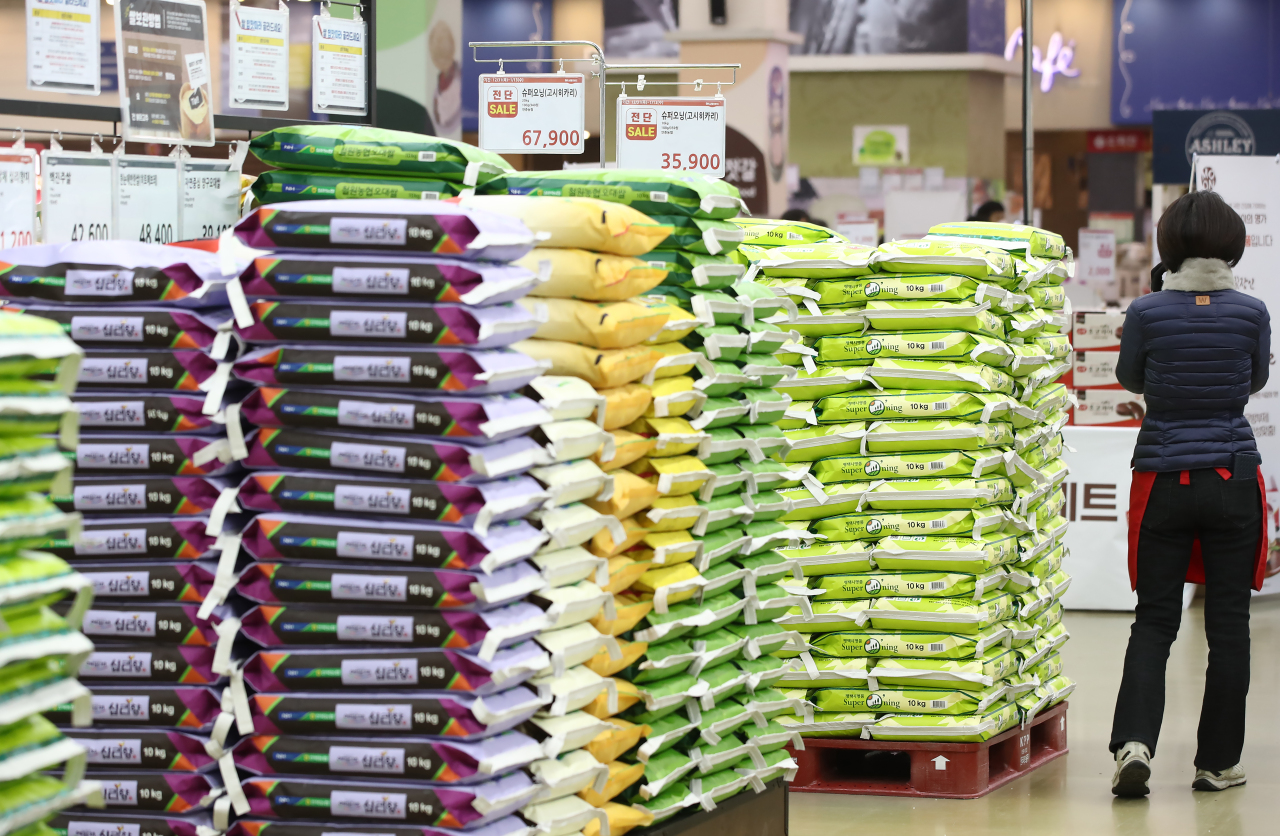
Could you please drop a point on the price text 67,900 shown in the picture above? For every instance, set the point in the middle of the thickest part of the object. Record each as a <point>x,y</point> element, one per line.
<point>550,139</point>
<point>692,162</point>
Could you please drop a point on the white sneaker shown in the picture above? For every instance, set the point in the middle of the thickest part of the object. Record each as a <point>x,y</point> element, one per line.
<point>1133,768</point>
<point>1217,781</point>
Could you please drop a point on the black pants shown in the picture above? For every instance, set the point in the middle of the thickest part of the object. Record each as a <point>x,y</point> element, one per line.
<point>1226,514</point>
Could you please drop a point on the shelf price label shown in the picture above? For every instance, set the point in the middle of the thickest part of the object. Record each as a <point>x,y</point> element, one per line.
<point>533,114</point>
<point>676,134</point>
<point>77,197</point>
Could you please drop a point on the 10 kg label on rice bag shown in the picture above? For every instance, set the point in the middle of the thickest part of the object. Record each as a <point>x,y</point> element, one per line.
<point>417,500</point>
<point>321,410</point>
<point>299,714</point>
<point>158,538</point>
<point>160,413</point>
<point>300,321</point>
<point>310,540</point>
<point>419,369</point>
<point>161,663</point>
<point>315,230</point>
<point>302,450</point>
<point>916,645</point>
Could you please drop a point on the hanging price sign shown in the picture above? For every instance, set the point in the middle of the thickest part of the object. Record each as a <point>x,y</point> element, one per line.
<point>677,134</point>
<point>77,202</point>
<point>533,114</point>
<point>17,197</point>
<point>147,199</point>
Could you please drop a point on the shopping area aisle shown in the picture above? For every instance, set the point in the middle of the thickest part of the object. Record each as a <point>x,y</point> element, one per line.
<point>1072,795</point>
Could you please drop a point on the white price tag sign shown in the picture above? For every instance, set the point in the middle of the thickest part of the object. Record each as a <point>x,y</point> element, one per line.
<point>63,46</point>
<point>677,134</point>
<point>210,198</point>
<point>76,197</point>
<point>337,65</point>
<point>146,199</point>
<point>17,197</point>
<point>259,75</point>
<point>533,114</point>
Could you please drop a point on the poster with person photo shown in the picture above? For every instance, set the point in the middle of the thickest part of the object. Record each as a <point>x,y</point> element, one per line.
<point>165,90</point>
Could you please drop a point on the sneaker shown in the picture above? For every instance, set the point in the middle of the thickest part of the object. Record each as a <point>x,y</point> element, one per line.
<point>1133,768</point>
<point>1218,781</point>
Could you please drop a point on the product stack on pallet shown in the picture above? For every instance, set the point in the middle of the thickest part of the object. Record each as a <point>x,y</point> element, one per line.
<point>930,420</point>
<point>1101,400</point>
<point>151,468</point>
<point>670,340</point>
<point>42,648</point>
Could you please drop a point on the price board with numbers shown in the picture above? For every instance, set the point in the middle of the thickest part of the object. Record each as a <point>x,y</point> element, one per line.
<point>17,197</point>
<point>147,199</point>
<point>210,198</point>
<point>533,114</point>
<point>76,198</point>
<point>675,134</point>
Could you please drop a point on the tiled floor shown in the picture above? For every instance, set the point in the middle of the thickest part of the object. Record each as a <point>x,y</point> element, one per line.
<point>1072,795</point>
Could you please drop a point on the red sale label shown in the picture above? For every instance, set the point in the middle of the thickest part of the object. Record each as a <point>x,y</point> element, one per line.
<point>533,114</point>
<point>676,134</point>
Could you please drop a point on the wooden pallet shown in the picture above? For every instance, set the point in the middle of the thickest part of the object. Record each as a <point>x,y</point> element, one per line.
<point>930,770</point>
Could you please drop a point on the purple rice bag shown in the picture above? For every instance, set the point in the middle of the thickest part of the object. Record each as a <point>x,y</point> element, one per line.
<point>416,669</point>
<point>325,799</point>
<point>134,538</point>
<point>506,826</point>
<point>142,748</point>
<point>406,323</point>
<point>469,505</point>
<point>104,326</point>
<point>300,537</point>
<point>190,708</point>
<point>113,272</point>
<point>420,279</point>
<point>444,589</point>
<point>431,714</point>
<point>310,625</point>
<point>176,495</point>
<point>86,822</point>
<point>168,369</point>
<point>440,368</point>
<point>168,792</point>
<point>163,412</point>
<point>392,226</point>
<point>420,457</point>
<point>148,581</point>
<point>102,454</point>
<point>404,758</point>
<point>148,623</point>
<point>112,662</point>
<point>488,418</point>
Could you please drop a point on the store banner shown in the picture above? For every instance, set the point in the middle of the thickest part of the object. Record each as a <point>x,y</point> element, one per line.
<point>1097,503</point>
<point>1252,186</point>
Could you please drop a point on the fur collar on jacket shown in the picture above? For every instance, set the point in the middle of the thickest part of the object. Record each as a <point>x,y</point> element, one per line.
<point>1201,274</point>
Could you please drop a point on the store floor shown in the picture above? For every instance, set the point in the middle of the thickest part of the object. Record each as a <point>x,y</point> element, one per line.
<point>1072,795</point>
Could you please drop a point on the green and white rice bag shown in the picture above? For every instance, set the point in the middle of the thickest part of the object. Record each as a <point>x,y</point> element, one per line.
<point>951,615</point>
<point>906,466</point>
<point>924,255</point>
<point>955,554</point>
<point>718,342</point>
<point>839,499</point>
<point>918,494</point>
<point>765,369</point>
<point>672,800</point>
<point>908,644</point>
<point>826,617</point>
<point>1011,237</point>
<point>952,346</point>
<point>915,435</point>
<point>649,191</point>
<point>1048,297</point>
<point>813,443</point>
<point>816,673</point>
<point>699,235</point>
<point>830,724</point>
<point>926,375</point>
<point>822,382</point>
<point>830,558</point>
<point>880,583</point>
<point>772,738</point>
<point>692,270</point>
<point>873,525</point>
<point>893,403</point>
<point>970,728</point>
<point>817,261</point>
<point>973,317</point>
<point>824,322</point>
<point>964,674</point>
<point>907,700</point>
<point>936,287</point>
<point>1057,345</point>
<point>772,232</point>
<point>1025,325</point>
<point>662,660</point>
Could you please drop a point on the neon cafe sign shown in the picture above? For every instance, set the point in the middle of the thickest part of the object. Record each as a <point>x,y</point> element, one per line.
<point>1056,60</point>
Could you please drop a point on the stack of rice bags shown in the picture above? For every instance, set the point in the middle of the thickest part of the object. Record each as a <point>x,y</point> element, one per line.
<point>149,476</point>
<point>42,650</point>
<point>928,420</point>
<point>384,633</point>
<point>700,520</point>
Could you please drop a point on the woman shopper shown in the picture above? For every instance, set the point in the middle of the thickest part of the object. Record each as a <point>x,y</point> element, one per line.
<point>1196,350</point>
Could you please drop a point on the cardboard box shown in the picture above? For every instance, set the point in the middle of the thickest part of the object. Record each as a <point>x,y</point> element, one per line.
<point>1094,370</point>
<point>1108,407</point>
<point>1094,330</point>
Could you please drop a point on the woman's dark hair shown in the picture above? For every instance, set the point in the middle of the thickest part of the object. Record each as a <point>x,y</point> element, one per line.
<point>1200,225</point>
<point>986,210</point>
<point>796,215</point>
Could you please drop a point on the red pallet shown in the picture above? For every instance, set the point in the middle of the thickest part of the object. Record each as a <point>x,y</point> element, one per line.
<point>930,770</point>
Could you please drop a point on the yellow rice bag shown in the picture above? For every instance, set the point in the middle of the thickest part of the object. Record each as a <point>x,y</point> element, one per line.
<point>609,745</point>
<point>603,368</point>
<point>628,447</point>
<point>605,665</point>
<point>630,612</point>
<point>625,570</point>
<point>628,696</point>
<point>621,776</point>
<point>596,277</point>
<point>624,404</point>
<point>630,496</point>
<point>621,818</point>
<point>583,222</point>
<point>597,324</point>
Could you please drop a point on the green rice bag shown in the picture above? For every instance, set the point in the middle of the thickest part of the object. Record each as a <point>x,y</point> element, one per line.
<point>892,373</point>
<point>664,733</point>
<point>771,738</point>
<point>976,318</point>
<point>953,554</point>
<point>690,617</point>
<point>718,307</point>
<point>765,638</point>
<point>769,703</point>
<point>722,720</point>
<point>907,465</point>
<point>821,382</point>
<point>830,724</point>
<point>807,672</point>
<point>719,546</point>
<point>825,322</point>
<point>873,525</point>
<point>963,674</point>
<point>1011,237</point>
<point>768,338</point>
<point>799,354</point>
<point>1048,297</point>
<point>907,700</point>
<point>978,261</point>
<point>25,522</point>
<point>719,786</point>
<point>361,148</point>
<point>699,235</point>
<point>652,192</point>
<point>917,435</point>
<point>840,499</point>
<point>723,577</point>
<point>33,345</point>
<point>36,795</point>
<point>830,558</point>
<point>37,407</point>
<point>718,342</point>
<point>953,346</point>
<point>1046,695</point>
<point>936,287</point>
<point>32,464</point>
<point>672,800</point>
<point>283,186</point>
<point>879,584</point>
<point>1024,325</point>
<point>771,232</point>
<point>814,261</point>
<point>694,270</point>
<point>721,378</point>
<point>919,494</point>
<point>1039,271</point>
<point>813,443</point>
<point>970,728</point>
<point>769,474</point>
<point>1043,567</point>
<point>1049,667</point>
<point>661,661</point>
<point>716,648</point>
<point>907,403</point>
<point>827,616</point>
<point>762,672</point>
<point>763,440</point>
<point>766,370</point>
<point>721,683</point>
<point>663,770</point>
<point>952,615</point>
<point>1056,345</point>
<point>908,644</point>
<point>667,695</point>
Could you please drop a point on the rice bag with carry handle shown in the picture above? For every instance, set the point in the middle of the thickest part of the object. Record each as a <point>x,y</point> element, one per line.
<point>190,708</point>
<point>150,622</point>
<point>150,327</point>
<point>1010,237</point>
<point>161,412</point>
<point>164,538</point>
<point>770,232</point>
<point>90,822</point>
<point>113,662</point>
<point>284,186</point>
<point>165,792</point>
<point>405,323</point>
<point>698,235</point>
<point>488,418</point>
<point>651,192</point>
<point>186,370</point>
<point>142,748</point>
<point>299,537</point>
<point>176,495</point>
<point>421,457</point>
<point>593,277</point>
<point>448,369</point>
<point>109,272</point>
<point>507,826</point>
<point>187,581</point>
<point>583,222</point>
<point>397,226</point>
<point>30,345</point>
<point>102,454</point>
<point>334,147</point>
